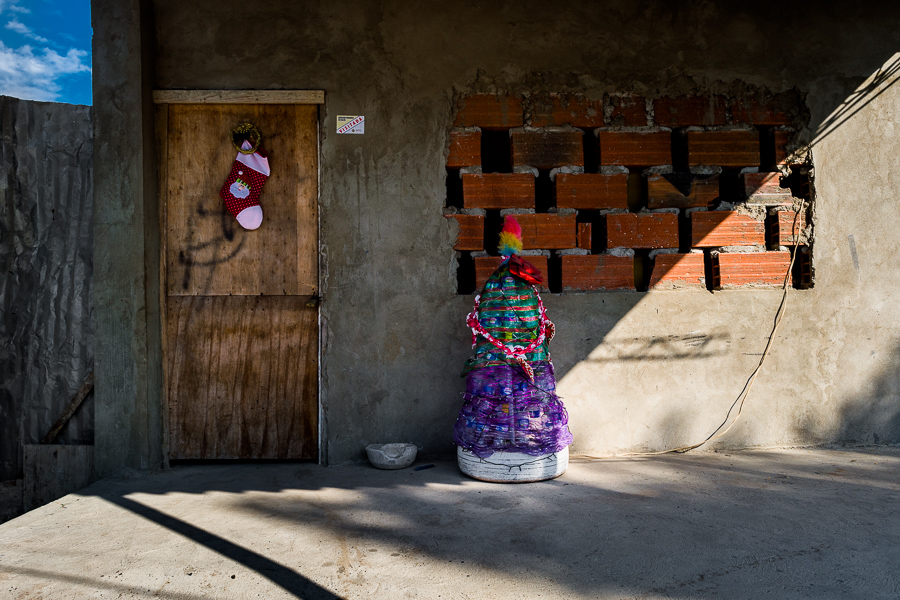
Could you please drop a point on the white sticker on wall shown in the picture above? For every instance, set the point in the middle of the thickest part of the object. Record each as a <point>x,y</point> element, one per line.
<point>351,124</point>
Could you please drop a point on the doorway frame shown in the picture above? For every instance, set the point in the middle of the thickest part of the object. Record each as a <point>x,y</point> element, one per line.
<point>161,101</point>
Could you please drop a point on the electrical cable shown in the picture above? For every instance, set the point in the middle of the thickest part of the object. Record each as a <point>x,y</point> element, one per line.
<point>742,396</point>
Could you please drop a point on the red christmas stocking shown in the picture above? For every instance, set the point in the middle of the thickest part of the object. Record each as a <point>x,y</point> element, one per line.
<point>241,190</point>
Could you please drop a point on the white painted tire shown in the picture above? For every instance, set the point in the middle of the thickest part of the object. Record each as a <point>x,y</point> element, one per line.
<point>513,467</point>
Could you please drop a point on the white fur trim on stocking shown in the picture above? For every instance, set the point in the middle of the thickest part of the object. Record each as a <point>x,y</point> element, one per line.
<point>254,161</point>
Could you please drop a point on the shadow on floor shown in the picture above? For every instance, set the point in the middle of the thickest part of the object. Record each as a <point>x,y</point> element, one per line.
<point>742,525</point>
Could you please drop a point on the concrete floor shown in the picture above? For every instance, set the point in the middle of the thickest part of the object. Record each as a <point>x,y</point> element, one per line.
<point>787,523</point>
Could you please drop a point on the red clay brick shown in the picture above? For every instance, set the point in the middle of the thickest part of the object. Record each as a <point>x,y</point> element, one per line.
<point>547,231</point>
<point>628,111</point>
<point>583,238</point>
<point>486,265</point>
<point>465,149</point>
<point>753,112</point>
<point>667,191</point>
<point>782,231</point>
<point>635,148</point>
<point>671,271</point>
<point>575,111</point>
<point>597,272</point>
<point>782,145</point>
<point>592,190</point>
<point>765,188</point>
<point>630,230</point>
<point>723,148</point>
<point>471,232</point>
<point>498,190</point>
<point>749,269</point>
<point>690,110</point>
<point>546,149</point>
<point>490,111</point>
<point>714,229</point>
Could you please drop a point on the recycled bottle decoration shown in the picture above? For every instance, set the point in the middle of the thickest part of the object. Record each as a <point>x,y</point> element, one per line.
<point>512,426</point>
<point>247,177</point>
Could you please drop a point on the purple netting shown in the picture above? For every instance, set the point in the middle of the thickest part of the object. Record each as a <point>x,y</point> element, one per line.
<point>503,411</point>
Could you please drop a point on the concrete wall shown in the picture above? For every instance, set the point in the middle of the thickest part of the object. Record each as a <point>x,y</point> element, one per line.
<point>128,375</point>
<point>394,338</point>
<point>46,333</point>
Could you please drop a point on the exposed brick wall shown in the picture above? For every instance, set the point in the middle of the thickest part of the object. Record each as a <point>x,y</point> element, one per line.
<point>739,148</point>
<point>546,148</point>
<point>681,190</point>
<point>749,269</point>
<point>718,228</point>
<point>547,231</point>
<point>574,111</point>
<point>651,230</point>
<point>644,148</point>
<point>678,271</point>
<point>627,192</point>
<point>686,111</point>
<point>471,232</point>
<point>592,190</point>
<point>465,149</point>
<point>597,272</point>
<point>498,190</point>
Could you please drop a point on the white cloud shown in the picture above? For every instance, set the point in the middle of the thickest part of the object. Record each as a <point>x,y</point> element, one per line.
<point>25,74</point>
<point>23,29</point>
<point>12,6</point>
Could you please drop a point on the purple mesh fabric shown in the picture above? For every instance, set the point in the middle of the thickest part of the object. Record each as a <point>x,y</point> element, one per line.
<point>503,411</point>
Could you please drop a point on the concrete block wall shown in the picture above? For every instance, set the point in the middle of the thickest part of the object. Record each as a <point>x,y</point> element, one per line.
<point>646,184</point>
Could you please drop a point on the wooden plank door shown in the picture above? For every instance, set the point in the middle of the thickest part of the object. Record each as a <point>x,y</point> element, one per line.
<point>241,317</point>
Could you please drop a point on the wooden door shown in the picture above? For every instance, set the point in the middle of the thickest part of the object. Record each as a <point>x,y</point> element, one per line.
<point>241,317</point>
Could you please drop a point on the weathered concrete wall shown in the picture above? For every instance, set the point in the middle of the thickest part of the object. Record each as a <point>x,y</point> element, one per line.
<point>128,376</point>
<point>394,338</point>
<point>46,330</point>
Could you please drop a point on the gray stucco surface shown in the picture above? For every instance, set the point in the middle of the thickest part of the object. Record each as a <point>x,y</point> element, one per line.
<point>126,241</point>
<point>393,333</point>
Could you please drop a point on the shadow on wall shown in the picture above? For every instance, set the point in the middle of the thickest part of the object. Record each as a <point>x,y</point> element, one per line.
<point>870,416</point>
<point>723,351</point>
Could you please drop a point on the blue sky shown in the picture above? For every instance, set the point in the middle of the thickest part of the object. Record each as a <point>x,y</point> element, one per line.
<point>45,50</point>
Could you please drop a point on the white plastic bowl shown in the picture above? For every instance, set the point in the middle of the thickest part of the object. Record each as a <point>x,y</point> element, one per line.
<point>391,456</point>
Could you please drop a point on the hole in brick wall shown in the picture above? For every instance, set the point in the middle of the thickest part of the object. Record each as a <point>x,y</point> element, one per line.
<point>465,273</point>
<point>495,153</point>
<point>591,151</point>
<point>642,270</point>
<point>712,278</point>
<point>599,233</point>
<point>544,197</point>
<point>493,223</point>
<point>766,148</point>
<point>454,189</point>
<point>679,150</point>
<point>637,192</point>
<point>684,232</point>
<point>731,188</point>
<point>554,275</point>
<point>802,273</point>
<point>798,182</point>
